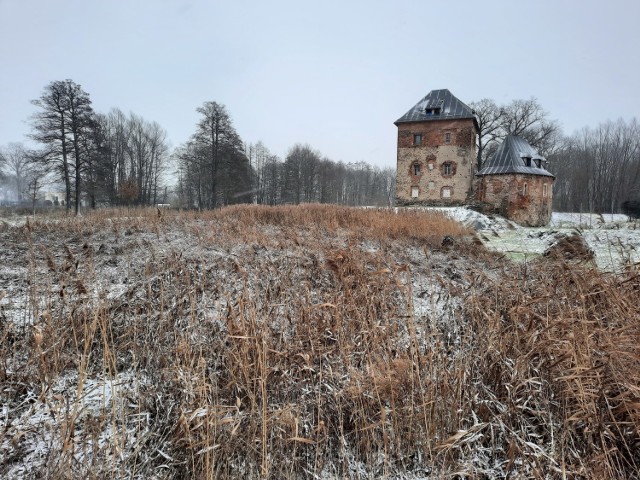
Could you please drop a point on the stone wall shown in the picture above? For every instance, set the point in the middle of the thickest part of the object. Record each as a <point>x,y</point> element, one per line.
<point>435,180</point>
<point>508,196</point>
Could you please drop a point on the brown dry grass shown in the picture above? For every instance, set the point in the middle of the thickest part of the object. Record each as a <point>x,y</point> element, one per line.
<point>297,342</point>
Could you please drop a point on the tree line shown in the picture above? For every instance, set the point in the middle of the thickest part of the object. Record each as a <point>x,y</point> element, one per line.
<point>255,175</point>
<point>96,159</point>
<point>107,159</point>
<point>598,169</point>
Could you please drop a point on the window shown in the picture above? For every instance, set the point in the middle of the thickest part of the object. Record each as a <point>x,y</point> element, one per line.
<point>538,162</point>
<point>430,165</point>
<point>432,111</point>
<point>417,139</point>
<point>415,168</point>
<point>447,138</point>
<point>544,190</point>
<point>527,161</point>
<point>447,169</point>
<point>446,192</point>
<point>432,185</point>
<point>415,191</point>
<point>525,189</point>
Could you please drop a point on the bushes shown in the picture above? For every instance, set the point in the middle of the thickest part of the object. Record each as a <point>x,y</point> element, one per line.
<point>631,208</point>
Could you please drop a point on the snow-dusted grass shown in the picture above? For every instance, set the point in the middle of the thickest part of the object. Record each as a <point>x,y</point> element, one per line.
<point>307,342</point>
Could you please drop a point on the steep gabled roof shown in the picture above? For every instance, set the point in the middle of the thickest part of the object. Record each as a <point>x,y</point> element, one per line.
<point>510,158</point>
<point>450,108</point>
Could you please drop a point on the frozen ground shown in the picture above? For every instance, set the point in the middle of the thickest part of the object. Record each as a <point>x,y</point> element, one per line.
<point>614,239</point>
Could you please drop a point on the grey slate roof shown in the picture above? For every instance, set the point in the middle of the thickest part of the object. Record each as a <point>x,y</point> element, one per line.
<point>509,158</point>
<point>450,108</point>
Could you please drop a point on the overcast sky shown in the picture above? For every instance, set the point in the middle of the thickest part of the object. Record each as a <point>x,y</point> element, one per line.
<point>333,74</point>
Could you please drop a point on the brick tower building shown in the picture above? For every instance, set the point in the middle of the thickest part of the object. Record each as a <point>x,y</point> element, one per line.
<point>436,151</point>
<point>515,184</point>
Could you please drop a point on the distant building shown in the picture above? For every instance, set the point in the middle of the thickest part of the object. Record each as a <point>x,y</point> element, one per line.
<point>56,198</point>
<point>515,184</point>
<point>436,151</point>
<point>437,158</point>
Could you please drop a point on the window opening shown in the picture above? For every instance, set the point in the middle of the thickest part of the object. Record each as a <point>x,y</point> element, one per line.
<point>525,189</point>
<point>417,139</point>
<point>416,169</point>
<point>446,169</point>
<point>415,191</point>
<point>447,137</point>
<point>446,192</point>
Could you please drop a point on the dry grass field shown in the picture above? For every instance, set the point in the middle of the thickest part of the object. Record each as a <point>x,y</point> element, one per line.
<point>311,342</point>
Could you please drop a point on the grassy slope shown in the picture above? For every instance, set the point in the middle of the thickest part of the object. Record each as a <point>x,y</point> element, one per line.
<point>308,342</point>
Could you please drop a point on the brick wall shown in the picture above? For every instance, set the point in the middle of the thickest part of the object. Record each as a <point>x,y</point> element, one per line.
<point>431,156</point>
<point>506,196</point>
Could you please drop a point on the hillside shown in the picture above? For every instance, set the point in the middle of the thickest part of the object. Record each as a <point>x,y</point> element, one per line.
<point>308,342</point>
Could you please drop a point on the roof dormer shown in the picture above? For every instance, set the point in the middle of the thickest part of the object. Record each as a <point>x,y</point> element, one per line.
<point>434,107</point>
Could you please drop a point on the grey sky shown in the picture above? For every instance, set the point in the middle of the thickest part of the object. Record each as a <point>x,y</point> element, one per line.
<point>334,74</point>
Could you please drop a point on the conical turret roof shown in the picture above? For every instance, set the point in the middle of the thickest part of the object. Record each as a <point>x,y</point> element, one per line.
<point>515,155</point>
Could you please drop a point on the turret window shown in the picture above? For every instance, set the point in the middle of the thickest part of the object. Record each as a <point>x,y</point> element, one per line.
<point>447,138</point>
<point>417,139</point>
<point>415,169</point>
<point>447,169</point>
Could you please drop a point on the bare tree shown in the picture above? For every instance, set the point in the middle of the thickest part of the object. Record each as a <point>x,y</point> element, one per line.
<point>35,182</point>
<point>301,174</point>
<point>525,118</point>
<point>212,166</point>
<point>16,161</point>
<point>215,134</point>
<point>62,125</point>
<point>489,116</point>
